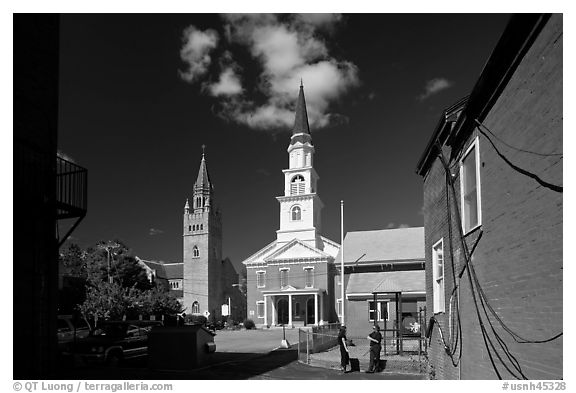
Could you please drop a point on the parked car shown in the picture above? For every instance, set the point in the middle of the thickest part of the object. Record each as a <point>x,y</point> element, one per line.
<point>115,341</point>
<point>71,328</point>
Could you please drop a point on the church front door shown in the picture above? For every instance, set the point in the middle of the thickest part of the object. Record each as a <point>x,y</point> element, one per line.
<point>310,312</point>
<point>282,312</point>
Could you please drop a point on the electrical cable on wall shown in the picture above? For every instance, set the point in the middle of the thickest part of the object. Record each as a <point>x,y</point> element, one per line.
<point>473,279</point>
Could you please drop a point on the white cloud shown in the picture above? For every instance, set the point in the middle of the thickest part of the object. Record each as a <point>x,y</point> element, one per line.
<point>434,86</point>
<point>228,84</point>
<point>195,51</point>
<point>287,48</point>
<point>154,232</point>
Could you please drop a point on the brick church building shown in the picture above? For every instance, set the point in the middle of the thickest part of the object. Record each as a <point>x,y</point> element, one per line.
<point>210,283</point>
<point>289,280</point>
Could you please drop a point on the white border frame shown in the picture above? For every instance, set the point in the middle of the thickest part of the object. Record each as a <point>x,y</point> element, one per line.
<point>287,276</point>
<point>263,303</point>
<point>379,309</point>
<point>438,308</point>
<point>257,272</point>
<point>304,268</point>
<point>475,144</point>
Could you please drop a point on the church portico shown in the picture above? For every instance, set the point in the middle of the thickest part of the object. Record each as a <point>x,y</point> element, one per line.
<point>294,307</point>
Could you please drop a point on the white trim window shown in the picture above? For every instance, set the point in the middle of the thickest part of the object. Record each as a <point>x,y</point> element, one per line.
<point>381,310</point>
<point>260,308</point>
<point>296,213</point>
<point>195,252</point>
<point>261,279</point>
<point>339,307</point>
<point>470,188</point>
<point>438,276</point>
<point>195,308</point>
<point>308,277</point>
<point>284,277</point>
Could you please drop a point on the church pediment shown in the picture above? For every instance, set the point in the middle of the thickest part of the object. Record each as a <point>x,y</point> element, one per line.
<point>296,249</point>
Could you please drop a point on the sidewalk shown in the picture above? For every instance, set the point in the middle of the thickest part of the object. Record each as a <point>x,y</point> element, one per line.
<point>406,364</point>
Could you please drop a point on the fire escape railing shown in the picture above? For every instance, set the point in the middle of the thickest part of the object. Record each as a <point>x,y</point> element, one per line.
<point>71,193</point>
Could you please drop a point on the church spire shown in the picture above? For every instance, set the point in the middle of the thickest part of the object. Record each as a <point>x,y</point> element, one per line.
<point>301,121</point>
<point>203,181</point>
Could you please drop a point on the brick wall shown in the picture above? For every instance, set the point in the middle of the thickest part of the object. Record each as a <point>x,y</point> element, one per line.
<point>518,259</point>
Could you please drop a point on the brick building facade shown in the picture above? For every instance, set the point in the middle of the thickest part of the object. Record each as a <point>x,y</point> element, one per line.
<point>492,175</point>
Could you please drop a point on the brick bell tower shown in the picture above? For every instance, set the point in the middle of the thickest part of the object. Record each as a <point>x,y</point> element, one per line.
<point>202,240</point>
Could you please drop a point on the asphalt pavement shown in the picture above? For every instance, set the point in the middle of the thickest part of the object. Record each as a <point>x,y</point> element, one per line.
<point>240,355</point>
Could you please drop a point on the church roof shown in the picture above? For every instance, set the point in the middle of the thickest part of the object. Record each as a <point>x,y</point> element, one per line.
<point>296,249</point>
<point>301,125</point>
<point>387,245</point>
<point>203,180</point>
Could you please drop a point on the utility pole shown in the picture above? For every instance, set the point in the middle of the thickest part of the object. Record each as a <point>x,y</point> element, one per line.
<point>108,247</point>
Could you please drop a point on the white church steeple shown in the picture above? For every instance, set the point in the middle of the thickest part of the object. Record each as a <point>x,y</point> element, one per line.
<point>300,206</point>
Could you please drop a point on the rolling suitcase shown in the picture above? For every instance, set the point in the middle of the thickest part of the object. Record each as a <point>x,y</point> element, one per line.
<point>354,364</point>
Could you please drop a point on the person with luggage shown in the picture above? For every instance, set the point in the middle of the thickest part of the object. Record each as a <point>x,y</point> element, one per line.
<point>375,339</point>
<point>344,352</point>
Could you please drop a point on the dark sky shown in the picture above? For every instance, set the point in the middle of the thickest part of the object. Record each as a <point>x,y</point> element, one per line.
<point>137,126</point>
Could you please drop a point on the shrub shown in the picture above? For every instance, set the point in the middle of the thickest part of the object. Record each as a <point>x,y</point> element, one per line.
<point>195,319</point>
<point>249,324</point>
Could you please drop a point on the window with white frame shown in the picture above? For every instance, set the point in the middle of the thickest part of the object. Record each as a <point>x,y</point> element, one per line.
<point>195,308</point>
<point>260,279</point>
<point>195,252</point>
<point>284,277</point>
<point>296,213</point>
<point>339,307</point>
<point>438,276</point>
<point>381,310</point>
<point>470,188</point>
<point>309,276</point>
<point>260,309</point>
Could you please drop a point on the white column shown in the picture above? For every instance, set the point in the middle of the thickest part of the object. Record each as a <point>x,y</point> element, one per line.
<point>265,310</point>
<point>321,307</point>
<point>290,310</point>
<point>316,309</point>
<point>274,311</point>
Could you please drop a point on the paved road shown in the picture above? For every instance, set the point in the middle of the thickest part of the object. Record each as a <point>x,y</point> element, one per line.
<point>253,341</point>
<point>240,355</point>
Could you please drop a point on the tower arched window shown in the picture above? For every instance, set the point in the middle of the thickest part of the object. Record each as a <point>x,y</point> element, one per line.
<point>195,252</point>
<point>297,185</point>
<point>296,213</point>
<point>195,308</point>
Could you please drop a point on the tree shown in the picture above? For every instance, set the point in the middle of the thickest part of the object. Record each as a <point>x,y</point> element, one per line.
<point>112,301</point>
<point>114,259</point>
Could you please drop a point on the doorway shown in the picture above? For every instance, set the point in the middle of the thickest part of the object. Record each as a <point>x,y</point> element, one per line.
<point>310,312</point>
<point>282,312</point>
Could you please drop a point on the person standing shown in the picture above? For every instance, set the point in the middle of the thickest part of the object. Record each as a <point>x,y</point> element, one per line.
<point>344,353</point>
<point>375,339</point>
